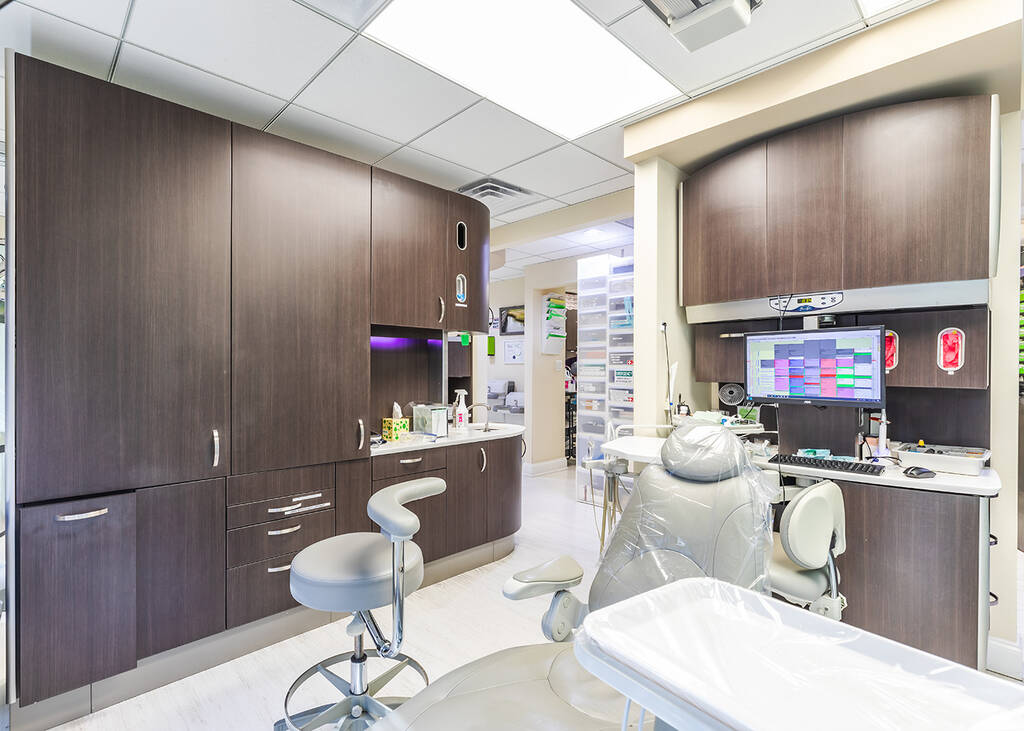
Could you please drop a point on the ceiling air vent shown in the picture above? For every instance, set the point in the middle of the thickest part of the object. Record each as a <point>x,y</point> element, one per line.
<point>490,190</point>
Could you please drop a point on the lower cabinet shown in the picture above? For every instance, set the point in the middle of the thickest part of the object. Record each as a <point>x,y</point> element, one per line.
<point>180,564</point>
<point>259,589</point>
<point>431,511</point>
<point>467,496</point>
<point>76,601</point>
<point>504,487</point>
<point>353,481</point>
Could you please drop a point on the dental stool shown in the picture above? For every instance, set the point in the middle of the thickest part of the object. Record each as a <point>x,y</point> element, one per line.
<point>355,573</point>
<point>811,535</point>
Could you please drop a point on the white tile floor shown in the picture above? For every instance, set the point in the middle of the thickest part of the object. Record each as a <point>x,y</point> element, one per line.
<point>447,625</point>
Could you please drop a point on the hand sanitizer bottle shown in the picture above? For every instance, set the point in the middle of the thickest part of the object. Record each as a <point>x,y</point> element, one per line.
<point>460,414</point>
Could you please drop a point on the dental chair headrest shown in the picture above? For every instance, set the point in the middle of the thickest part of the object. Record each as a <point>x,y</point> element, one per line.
<point>702,452</point>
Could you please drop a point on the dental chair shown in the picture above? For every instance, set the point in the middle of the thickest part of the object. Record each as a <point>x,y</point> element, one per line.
<point>811,535</point>
<point>705,512</point>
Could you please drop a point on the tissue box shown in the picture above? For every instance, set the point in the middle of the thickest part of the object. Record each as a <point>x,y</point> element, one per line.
<point>393,428</point>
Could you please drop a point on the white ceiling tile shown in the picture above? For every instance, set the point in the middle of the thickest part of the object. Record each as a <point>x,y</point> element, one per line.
<point>383,92</point>
<point>351,12</point>
<point>46,37</point>
<point>505,272</point>
<point>275,46</point>
<point>486,137</point>
<point>106,16</point>
<point>614,244</point>
<point>572,252</point>
<point>534,209</point>
<point>154,74</point>
<point>609,10</point>
<point>499,206</point>
<point>317,130</point>
<point>594,191</point>
<point>543,247</point>
<point>607,143</point>
<point>874,16</point>
<point>597,235</point>
<point>495,223</point>
<point>524,261</point>
<point>559,171</point>
<point>421,166</point>
<point>776,28</point>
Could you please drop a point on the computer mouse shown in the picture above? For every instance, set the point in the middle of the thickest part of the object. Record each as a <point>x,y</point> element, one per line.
<point>918,472</point>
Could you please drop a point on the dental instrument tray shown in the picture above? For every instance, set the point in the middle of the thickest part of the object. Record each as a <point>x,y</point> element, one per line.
<point>839,465</point>
<point>939,458</point>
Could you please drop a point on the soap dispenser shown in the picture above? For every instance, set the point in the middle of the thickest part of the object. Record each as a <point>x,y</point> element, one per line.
<point>460,416</point>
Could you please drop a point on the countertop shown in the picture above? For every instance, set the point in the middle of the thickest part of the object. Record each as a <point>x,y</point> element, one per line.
<point>475,434</point>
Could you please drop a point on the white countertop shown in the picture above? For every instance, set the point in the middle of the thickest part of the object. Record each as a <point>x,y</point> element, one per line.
<point>475,434</point>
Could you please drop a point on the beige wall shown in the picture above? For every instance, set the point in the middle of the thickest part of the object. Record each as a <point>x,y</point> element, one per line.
<point>506,293</point>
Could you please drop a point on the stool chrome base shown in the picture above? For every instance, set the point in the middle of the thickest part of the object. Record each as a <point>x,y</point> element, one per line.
<point>356,711</point>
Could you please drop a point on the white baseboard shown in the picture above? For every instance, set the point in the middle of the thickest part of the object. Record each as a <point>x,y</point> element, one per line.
<point>532,469</point>
<point>1005,658</point>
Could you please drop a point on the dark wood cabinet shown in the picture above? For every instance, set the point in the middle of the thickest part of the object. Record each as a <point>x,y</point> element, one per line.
<point>432,512</point>
<point>897,542</point>
<point>805,209</point>
<point>918,347</point>
<point>460,360</point>
<point>76,593</point>
<point>300,313</point>
<point>467,495</point>
<point>124,231</point>
<point>504,487</point>
<point>258,590</point>
<point>916,180</point>
<point>410,230</point>
<point>354,486</point>
<point>718,349</point>
<point>724,229</point>
<point>180,564</point>
<point>469,236</point>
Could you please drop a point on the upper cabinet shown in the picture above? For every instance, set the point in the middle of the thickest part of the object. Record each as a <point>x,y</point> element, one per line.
<point>889,196</point>
<point>805,207</point>
<point>410,267</point>
<point>300,311</point>
<point>123,287</point>
<point>469,234</point>
<point>723,229</point>
<point>916,182</point>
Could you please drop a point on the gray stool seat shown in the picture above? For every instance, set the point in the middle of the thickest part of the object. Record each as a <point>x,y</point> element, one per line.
<point>351,573</point>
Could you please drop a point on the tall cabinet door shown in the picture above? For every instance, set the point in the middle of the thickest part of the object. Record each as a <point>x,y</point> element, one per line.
<point>410,228</point>
<point>76,593</point>
<point>180,549</point>
<point>467,495</point>
<point>504,487</point>
<point>300,310</point>
<point>123,238</point>
<point>469,235</point>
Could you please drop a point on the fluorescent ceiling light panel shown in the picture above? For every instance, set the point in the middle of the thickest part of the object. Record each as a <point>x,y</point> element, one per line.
<point>545,60</point>
<point>870,8</point>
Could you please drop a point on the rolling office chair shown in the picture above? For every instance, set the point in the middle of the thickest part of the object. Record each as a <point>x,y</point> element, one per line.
<point>706,512</point>
<point>811,535</point>
<point>355,573</point>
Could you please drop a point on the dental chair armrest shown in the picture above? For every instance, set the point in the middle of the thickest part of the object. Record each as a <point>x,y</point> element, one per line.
<point>547,578</point>
<point>386,507</point>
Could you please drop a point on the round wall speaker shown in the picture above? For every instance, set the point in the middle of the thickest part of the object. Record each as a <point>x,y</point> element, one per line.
<point>731,394</point>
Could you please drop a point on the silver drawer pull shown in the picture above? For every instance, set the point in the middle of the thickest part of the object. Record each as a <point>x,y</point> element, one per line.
<point>362,434</point>
<point>484,455</point>
<point>441,318</point>
<point>82,516</point>
<point>283,508</point>
<point>410,461</point>
<point>307,497</point>
<point>284,531</point>
<point>216,447</point>
<point>278,569</point>
<point>299,509</point>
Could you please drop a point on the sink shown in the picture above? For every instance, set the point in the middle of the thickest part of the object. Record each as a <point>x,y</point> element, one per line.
<point>487,427</point>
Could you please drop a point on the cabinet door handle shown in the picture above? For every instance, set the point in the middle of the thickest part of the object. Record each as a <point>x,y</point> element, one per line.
<point>283,508</point>
<point>284,531</point>
<point>362,433</point>
<point>522,452</point>
<point>410,461</point>
<point>306,497</point>
<point>484,455</point>
<point>81,516</point>
<point>441,318</point>
<point>993,600</point>
<point>299,509</point>
<point>276,569</point>
<point>216,448</point>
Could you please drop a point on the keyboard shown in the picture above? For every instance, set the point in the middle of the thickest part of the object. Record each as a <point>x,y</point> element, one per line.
<point>839,465</point>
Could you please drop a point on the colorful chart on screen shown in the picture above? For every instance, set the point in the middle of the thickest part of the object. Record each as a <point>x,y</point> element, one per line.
<point>841,366</point>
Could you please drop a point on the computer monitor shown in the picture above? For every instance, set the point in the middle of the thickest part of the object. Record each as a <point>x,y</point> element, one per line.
<point>831,367</point>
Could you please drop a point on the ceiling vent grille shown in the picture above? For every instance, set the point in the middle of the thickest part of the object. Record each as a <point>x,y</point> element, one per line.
<point>490,190</point>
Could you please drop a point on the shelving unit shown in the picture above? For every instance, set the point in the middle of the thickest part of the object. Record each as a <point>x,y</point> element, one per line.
<point>604,376</point>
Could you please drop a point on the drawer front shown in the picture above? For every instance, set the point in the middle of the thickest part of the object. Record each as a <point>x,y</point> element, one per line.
<point>408,463</point>
<point>267,540</point>
<point>265,511</point>
<point>257,486</point>
<point>259,589</point>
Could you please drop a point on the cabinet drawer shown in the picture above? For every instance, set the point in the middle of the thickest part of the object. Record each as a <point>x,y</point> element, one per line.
<point>265,511</point>
<point>259,542</point>
<point>259,486</point>
<point>408,463</point>
<point>259,589</point>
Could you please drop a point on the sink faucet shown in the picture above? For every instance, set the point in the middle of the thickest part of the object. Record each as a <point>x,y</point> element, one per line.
<point>487,424</point>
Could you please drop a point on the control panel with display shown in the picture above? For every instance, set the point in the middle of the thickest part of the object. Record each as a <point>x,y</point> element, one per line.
<point>805,302</point>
